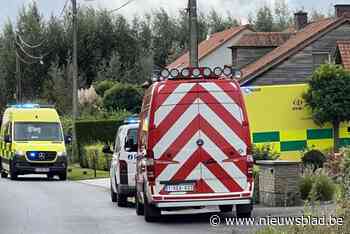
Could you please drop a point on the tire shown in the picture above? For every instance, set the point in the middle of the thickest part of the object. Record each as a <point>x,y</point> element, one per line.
<point>226,208</point>
<point>13,172</point>
<point>139,207</point>
<point>63,176</point>
<point>114,195</point>
<point>152,213</point>
<point>244,211</point>
<point>122,200</point>
<point>3,174</point>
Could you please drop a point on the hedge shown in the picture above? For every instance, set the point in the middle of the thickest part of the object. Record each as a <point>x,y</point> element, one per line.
<point>92,131</point>
<point>91,152</point>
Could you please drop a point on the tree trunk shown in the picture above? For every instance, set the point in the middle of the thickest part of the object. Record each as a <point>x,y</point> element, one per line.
<point>336,136</point>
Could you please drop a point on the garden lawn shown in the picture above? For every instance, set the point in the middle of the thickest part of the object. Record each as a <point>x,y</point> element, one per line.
<point>77,173</point>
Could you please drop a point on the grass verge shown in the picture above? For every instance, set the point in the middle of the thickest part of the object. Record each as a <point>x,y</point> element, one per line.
<point>78,173</point>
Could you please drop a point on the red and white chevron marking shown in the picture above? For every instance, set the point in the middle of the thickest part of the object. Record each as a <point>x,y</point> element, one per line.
<point>209,111</point>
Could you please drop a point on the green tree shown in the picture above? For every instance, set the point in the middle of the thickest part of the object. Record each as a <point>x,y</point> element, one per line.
<point>123,97</point>
<point>264,20</point>
<point>283,18</point>
<point>328,97</point>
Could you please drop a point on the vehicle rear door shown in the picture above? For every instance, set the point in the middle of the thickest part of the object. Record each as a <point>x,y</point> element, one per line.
<point>222,134</point>
<point>175,137</point>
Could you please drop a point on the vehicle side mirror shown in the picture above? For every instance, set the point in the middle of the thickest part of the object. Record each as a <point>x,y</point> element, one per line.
<point>107,149</point>
<point>68,139</point>
<point>7,139</point>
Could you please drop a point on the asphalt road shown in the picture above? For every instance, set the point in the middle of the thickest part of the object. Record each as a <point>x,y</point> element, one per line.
<point>40,206</point>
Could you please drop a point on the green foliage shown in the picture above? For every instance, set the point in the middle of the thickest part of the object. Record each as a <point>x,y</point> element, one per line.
<point>91,131</point>
<point>314,158</point>
<point>93,157</point>
<point>123,97</point>
<point>264,20</point>
<point>305,186</point>
<point>103,86</point>
<point>264,152</point>
<point>317,186</point>
<point>328,97</point>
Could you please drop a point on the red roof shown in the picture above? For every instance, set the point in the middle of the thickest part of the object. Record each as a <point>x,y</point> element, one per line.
<point>301,39</point>
<point>209,45</point>
<point>263,39</point>
<point>344,50</point>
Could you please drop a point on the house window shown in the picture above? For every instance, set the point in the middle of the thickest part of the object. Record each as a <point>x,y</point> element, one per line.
<point>320,58</point>
<point>234,57</point>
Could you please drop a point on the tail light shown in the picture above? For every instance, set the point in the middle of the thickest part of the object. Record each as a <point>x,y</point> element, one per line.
<point>250,163</point>
<point>123,167</point>
<point>150,167</point>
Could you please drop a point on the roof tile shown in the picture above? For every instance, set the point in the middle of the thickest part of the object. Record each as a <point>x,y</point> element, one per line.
<point>209,45</point>
<point>263,39</point>
<point>344,49</point>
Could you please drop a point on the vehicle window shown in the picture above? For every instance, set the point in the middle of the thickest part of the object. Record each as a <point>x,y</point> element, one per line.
<point>132,134</point>
<point>29,131</point>
<point>117,141</point>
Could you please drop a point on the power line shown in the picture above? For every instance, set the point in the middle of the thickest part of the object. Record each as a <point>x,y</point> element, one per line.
<point>64,8</point>
<point>26,53</point>
<point>122,6</point>
<point>27,44</point>
<point>23,60</point>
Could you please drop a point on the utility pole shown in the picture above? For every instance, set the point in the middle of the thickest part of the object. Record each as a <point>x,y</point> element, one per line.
<point>75,75</point>
<point>192,9</point>
<point>18,78</point>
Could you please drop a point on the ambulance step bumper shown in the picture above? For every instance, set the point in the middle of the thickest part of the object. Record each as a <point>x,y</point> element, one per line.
<point>202,203</point>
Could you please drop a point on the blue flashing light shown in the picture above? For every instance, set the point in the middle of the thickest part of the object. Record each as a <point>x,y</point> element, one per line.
<point>26,106</point>
<point>132,120</point>
<point>32,155</point>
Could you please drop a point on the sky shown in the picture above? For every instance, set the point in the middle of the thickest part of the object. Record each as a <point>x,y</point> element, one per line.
<point>238,8</point>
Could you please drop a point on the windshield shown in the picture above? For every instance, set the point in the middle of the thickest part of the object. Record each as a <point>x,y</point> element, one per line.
<point>37,132</point>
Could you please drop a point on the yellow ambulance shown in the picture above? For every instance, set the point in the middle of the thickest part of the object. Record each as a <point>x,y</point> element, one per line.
<point>279,118</point>
<point>32,142</point>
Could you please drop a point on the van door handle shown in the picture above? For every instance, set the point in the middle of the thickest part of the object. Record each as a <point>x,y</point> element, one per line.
<point>210,161</point>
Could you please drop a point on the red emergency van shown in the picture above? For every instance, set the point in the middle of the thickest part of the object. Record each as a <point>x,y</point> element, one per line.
<point>194,144</point>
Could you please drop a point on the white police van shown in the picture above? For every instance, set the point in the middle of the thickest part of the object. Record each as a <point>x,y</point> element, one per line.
<point>123,165</point>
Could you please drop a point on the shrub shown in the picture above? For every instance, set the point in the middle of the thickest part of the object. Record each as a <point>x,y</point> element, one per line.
<point>264,152</point>
<point>103,86</point>
<point>93,154</point>
<point>316,186</point>
<point>123,97</point>
<point>314,158</point>
<point>323,188</point>
<point>305,186</point>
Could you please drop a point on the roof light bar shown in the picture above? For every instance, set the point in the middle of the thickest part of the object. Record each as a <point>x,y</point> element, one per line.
<point>165,73</point>
<point>217,71</point>
<point>30,106</point>
<point>174,73</point>
<point>185,72</point>
<point>227,71</point>
<point>207,72</point>
<point>196,72</point>
<point>134,119</point>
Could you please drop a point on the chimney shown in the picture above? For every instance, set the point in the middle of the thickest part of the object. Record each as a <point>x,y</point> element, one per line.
<point>342,10</point>
<point>300,20</point>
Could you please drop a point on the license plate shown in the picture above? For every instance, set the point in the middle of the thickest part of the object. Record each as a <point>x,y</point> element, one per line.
<point>179,188</point>
<point>42,169</point>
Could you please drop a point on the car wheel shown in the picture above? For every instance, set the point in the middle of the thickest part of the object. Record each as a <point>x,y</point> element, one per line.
<point>114,195</point>
<point>3,174</point>
<point>152,213</point>
<point>63,176</point>
<point>244,211</point>
<point>139,206</point>
<point>226,208</point>
<point>122,200</point>
<point>13,172</point>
